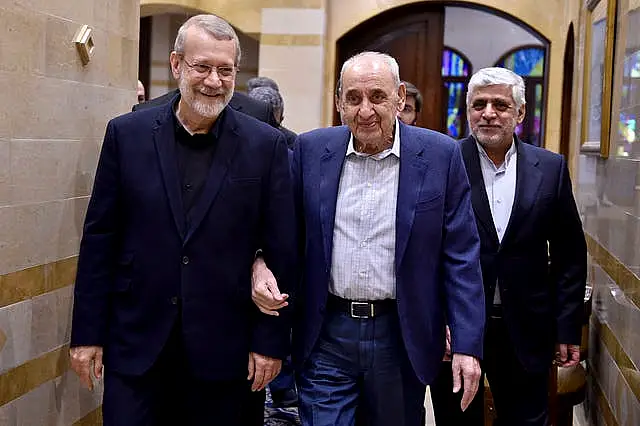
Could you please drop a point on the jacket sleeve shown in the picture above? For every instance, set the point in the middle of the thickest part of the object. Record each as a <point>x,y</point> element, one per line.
<point>568,262</point>
<point>272,334</point>
<point>97,249</point>
<point>464,293</point>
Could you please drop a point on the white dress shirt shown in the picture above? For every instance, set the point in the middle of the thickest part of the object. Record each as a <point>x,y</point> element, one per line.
<point>364,234</point>
<point>500,184</point>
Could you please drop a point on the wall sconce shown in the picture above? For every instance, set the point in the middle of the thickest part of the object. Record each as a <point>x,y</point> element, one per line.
<point>84,43</point>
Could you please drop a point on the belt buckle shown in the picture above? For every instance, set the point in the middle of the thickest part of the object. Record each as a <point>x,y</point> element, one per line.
<point>354,315</point>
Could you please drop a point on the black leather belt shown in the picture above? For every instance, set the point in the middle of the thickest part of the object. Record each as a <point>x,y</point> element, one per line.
<point>357,309</point>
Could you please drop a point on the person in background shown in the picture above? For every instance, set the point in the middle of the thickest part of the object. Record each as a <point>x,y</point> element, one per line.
<point>533,254</point>
<point>254,82</point>
<point>412,106</point>
<point>140,92</point>
<point>389,248</point>
<point>184,196</point>
<point>273,97</point>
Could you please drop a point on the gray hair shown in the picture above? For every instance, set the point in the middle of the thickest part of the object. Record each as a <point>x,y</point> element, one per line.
<point>268,95</point>
<point>495,75</point>
<point>212,24</point>
<point>256,82</point>
<point>389,60</point>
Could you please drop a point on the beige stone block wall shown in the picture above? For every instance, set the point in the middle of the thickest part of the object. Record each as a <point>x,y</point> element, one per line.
<point>292,53</point>
<point>52,120</point>
<point>608,195</point>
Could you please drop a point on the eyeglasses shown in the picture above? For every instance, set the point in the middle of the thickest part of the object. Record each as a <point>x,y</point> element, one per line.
<point>224,72</point>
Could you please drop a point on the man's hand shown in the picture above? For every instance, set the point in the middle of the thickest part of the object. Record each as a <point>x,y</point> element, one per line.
<point>567,355</point>
<point>83,358</point>
<point>466,369</point>
<point>264,289</point>
<point>447,347</point>
<point>262,369</point>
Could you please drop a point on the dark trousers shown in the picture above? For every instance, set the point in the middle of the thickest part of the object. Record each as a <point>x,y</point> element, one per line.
<point>285,380</point>
<point>360,364</point>
<point>520,397</point>
<point>446,404</point>
<point>169,395</point>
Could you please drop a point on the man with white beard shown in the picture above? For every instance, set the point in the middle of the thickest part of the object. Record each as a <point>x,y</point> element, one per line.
<point>184,196</point>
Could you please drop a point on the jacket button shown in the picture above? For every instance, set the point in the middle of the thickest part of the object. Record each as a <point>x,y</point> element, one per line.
<point>174,300</point>
<point>185,260</point>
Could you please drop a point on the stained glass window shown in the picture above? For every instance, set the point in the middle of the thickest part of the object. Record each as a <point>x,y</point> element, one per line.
<point>456,71</point>
<point>528,62</point>
<point>453,65</point>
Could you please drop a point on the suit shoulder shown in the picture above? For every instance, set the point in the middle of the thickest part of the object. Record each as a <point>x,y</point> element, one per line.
<point>250,126</point>
<point>136,118</point>
<point>544,155</point>
<point>326,133</point>
<point>317,139</point>
<point>431,139</point>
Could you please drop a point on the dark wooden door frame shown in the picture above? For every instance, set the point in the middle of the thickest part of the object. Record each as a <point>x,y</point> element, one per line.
<point>567,94</point>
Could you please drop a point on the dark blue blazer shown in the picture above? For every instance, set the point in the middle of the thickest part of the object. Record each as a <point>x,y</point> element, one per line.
<point>139,255</point>
<point>541,264</point>
<point>437,246</point>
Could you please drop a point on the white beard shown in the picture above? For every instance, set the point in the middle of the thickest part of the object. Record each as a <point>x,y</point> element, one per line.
<point>200,107</point>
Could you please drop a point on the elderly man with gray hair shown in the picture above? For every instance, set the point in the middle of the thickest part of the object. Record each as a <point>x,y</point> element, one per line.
<point>533,257</point>
<point>185,194</point>
<point>390,249</point>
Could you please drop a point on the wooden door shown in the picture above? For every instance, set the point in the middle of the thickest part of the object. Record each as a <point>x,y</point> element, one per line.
<point>414,36</point>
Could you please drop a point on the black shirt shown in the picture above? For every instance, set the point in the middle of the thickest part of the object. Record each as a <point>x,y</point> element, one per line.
<point>195,155</point>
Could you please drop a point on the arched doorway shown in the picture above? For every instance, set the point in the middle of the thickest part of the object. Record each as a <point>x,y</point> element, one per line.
<point>567,94</point>
<point>417,33</point>
<point>412,34</point>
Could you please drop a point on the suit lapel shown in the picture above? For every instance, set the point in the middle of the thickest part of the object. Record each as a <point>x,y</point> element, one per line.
<point>413,167</point>
<point>227,145</point>
<point>164,140</point>
<point>528,180</point>
<point>479,198</point>
<point>330,168</point>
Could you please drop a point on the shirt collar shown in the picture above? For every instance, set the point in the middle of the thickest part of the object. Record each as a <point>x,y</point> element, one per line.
<point>507,158</point>
<point>394,150</point>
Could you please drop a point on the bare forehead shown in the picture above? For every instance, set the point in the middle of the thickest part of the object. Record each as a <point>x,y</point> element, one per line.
<point>368,73</point>
<point>199,41</point>
<point>495,91</point>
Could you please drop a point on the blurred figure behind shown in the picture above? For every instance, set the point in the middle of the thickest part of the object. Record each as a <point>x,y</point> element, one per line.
<point>271,96</point>
<point>141,93</point>
<point>412,106</point>
<point>255,82</point>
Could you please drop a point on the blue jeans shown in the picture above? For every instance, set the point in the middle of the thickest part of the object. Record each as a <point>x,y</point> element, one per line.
<point>285,380</point>
<point>360,362</point>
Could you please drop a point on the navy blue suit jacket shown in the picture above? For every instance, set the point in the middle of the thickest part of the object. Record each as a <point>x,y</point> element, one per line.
<point>139,253</point>
<point>541,264</point>
<point>437,247</point>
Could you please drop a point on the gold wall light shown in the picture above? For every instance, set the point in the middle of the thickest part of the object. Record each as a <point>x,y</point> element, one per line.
<point>84,43</point>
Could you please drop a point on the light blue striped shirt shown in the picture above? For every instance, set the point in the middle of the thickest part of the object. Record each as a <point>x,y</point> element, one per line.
<point>364,235</point>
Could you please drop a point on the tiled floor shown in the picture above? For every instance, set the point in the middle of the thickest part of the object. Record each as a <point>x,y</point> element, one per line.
<point>289,418</point>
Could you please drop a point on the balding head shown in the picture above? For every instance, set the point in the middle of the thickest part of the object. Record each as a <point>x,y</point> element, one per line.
<point>140,92</point>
